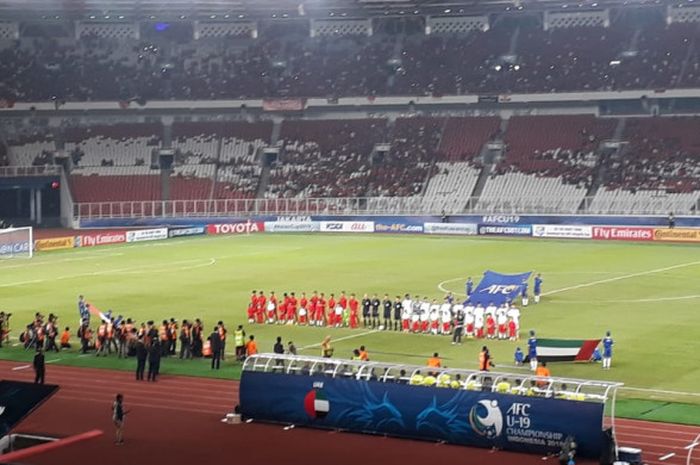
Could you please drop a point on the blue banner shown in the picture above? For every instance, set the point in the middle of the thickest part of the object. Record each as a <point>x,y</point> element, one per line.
<point>505,229</point>
<point>191,231</point>
<point>459,416</point>
<point>498,288</point>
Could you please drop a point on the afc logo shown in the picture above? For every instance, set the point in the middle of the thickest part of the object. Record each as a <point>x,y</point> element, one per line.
<point>504,289</point>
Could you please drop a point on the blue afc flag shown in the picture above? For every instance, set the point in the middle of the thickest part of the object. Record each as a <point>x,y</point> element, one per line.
<point>498,288</point>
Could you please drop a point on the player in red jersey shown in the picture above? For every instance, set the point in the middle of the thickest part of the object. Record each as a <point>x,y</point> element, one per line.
<point>321,310</point>
<point>343,301</point>
<point>331,310</point>
<point>354,306</point>
<point>252,307</point>
<point>282,311</point>
<point>512,330</point>
<point>490,327</point>
<point>272,308</point>
<point>313,301</point>
<point>291,309</point>
<point>260,308</point>
<point>303,309</point>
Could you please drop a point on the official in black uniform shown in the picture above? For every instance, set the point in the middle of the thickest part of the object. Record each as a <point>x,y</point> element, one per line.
<point>375,311</point>
<point>398,307</point>
<point>39,367</point>
<point>216,345</point>
<point>366,305</point>
<point>386,304</point>
<point>154,355</point>
<point>141,356</point>
<point>459,327</point>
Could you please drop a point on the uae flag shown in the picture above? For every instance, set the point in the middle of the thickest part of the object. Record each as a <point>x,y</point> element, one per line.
<point>316,404</point>
<point>565,350</point>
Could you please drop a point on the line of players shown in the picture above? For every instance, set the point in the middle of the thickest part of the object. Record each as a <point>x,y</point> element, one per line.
<point>408,315</point>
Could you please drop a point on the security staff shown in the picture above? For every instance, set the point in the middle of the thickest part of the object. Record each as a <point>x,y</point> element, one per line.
<point>375,311</point>
<point>154,355</point>
<point>215,344</point>
<point>197,342</point>
<point>239,340</point>
<point>141,356</point>
<point>185,341</point>
<point>222,336</point>
<point>39,366</point>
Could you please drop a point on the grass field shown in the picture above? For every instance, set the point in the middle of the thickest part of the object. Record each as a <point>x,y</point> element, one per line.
<point>646,294</point>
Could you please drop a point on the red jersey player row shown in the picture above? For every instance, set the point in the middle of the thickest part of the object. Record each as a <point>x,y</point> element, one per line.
<point>316,310</point>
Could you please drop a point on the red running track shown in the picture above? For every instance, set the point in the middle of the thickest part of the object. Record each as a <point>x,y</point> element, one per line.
<point>178,421</point>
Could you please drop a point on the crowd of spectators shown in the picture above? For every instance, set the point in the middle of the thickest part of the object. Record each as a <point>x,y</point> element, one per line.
<point>510,57</point>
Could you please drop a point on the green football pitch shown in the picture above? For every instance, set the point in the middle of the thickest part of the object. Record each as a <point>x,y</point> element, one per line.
<point>646,294</point>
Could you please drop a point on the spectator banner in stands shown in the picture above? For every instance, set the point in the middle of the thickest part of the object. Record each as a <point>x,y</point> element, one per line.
<point>288,104</point>
<point>94,239</point>
<point>562,231</point>
<point>496,288</point>
<point>54,243</point>
<point>246,227</point>
<point>292,226</point>
<point>677,235</point>
<point>14,248</point>
<point>467,229</point>
<point>398,227</point>
<point>505,230</point>
<point>347,226</point>
<point>193,231</point>
<point>622,233</point>
<point>147,235</point>
<point>460,416</point>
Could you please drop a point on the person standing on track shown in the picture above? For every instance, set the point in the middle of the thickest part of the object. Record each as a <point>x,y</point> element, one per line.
<point>118,415</point>
<point>39,366</point>
<point>141,356</point>
<point>216,345</point>
<point>154,355</point>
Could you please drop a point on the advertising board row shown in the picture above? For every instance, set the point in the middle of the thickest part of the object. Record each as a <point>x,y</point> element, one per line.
<point>395,226</point>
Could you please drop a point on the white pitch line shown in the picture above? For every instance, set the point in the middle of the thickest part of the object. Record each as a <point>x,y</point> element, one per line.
<point>345,338</point>
<point>54,360</point>
<point>21,367</point>
<point>619,278</point>
<point>667,456</point>
<point>661,391</point>
<point>62,260</point>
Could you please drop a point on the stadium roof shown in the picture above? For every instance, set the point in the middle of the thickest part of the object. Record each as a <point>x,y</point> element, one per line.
<point>279,9</point>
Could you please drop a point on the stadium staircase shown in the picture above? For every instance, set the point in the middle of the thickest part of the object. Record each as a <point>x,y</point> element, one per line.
<point>488,158</point>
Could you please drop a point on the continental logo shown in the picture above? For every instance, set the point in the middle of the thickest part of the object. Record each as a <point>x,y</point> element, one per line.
<point>677,235</point>
<point>54,243</point>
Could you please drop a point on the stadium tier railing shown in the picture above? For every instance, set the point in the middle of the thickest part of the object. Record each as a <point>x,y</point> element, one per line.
<point>354,206</point>
<point>20,171</point>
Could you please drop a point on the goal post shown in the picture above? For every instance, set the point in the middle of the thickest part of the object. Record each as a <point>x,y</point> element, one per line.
<point>16,243</point>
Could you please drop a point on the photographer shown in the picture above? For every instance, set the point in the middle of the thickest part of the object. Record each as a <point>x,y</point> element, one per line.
<point>485,361</point>
<point>4,327</point>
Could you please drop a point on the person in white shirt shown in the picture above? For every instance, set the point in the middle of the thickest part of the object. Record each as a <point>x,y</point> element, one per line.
<point>434,318</point>
<point>424,315</point>
<point>469,323</point>
<point>502,322</point>
<point>491,310</point>
<point>406,311</point>
<point>479,324</point>
<point>514,314</point>
<point>446,315</point>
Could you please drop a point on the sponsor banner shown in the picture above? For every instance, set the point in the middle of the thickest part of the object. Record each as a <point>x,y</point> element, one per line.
<point>459,416</point>
<point>505,230</point>
<point>562,231</point>
<point>95,239</point>
<point>677,235</point>
<point>246,227</point>
<point>347,226</point>
<point>147,235</point>
<point>398,227</point>
<point>54,243</point>
<point>292,226</point>
<point>287,104</point>
<point>14,248</point>
<point>622,233</point>
<point>180,232</point>
<point>498,288</point>
<point>450,228</point>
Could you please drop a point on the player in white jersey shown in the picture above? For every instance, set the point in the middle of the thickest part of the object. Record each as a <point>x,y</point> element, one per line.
<point>446,317</point>
<point>424,315</point>
<point>469,321</point>
<point>502,322</point>
<point>478,324</point>
<point>514,314</point>
<point>434,318</point>
<point>490,310</point>
<point>406,311</point>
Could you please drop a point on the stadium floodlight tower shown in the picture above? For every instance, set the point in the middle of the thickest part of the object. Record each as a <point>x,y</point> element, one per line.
<point>520,412</point>
<point>16,243</point>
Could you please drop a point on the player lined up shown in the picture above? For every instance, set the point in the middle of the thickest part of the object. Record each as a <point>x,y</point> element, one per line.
<point>397,314</point>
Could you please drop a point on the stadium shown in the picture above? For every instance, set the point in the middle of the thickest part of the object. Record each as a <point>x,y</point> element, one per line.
<point>349,230</point>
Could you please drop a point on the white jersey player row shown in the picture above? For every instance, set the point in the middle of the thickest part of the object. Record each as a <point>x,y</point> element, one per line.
<point>422,316</point>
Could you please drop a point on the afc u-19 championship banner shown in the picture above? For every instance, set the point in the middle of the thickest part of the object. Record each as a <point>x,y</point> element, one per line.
<point>565,350</point>
<point>497,288</point>
<point>459,416</point>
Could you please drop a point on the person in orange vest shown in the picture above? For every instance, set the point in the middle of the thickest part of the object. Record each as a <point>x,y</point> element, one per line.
<point>485,361</point>
<point>222,336</point>
<point>251,348</point>
<point>364,356</point>
<point>110,336</point>
<point>197,342</point>
<point>185,340</point>
<point>164,337</point>
<point>101,339</point>
<point>51,332</point>
<point>434,362</point>
<point>124,334</point>
<point>543,373</point>
<point>65,338</point>
<point>172,336</point>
